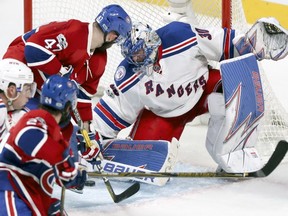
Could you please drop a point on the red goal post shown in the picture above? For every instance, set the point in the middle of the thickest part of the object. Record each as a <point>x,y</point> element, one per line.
<point>28,15</point>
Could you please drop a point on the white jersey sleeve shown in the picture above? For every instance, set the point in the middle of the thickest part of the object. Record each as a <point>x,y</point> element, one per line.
<point>120,104</point>
<point>216,43</point>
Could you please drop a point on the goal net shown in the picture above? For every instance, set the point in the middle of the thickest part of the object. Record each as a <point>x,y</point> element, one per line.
<point>206,12</point>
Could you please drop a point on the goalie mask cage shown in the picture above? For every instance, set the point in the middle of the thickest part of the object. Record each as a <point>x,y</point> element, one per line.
<point>226,13</point>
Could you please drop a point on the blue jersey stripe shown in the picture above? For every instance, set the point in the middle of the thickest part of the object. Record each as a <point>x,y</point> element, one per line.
<point>123,122</point>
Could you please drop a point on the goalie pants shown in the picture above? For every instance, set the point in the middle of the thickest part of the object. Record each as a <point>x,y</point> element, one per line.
<point>152,127</point>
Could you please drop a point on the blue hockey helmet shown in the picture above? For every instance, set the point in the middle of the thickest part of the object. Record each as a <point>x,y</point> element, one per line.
<point>144,39</point>
<point>114,18</point>
<point>57,91</point>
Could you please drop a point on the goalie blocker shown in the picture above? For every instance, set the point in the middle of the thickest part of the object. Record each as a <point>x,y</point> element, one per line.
<point>235,116</point>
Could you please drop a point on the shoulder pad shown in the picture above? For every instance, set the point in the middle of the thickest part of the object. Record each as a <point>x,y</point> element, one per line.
<point>125,77</point>
<point>170,36</point>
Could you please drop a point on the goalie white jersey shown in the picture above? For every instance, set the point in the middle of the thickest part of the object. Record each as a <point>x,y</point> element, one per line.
<point>170,87</point>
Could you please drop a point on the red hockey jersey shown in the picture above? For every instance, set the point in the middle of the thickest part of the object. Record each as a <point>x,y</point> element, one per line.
<point>34,146</point>
<point>49,47</point>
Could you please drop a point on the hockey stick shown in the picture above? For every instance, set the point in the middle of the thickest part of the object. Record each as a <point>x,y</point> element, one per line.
<point>62,201</point>
<point>268,168</point>
<point>116,198</point>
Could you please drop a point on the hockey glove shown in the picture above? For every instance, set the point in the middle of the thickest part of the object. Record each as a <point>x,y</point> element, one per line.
<point>66,170</point>
<point>90,154</point>
<point>77,184</point>
<point>54,209</point>
<point>266,39</point>
<point>66,71</point>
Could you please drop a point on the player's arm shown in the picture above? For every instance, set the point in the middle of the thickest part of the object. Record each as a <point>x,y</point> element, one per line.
<point>118,108</point>
<point>216,43</point>
<point>43,46</point>
<point>43,59</point>
<point>88,78</point>
<point>110,116</point>
<point>266,39</point>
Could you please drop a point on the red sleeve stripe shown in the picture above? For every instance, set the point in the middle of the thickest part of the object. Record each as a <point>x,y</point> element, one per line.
<point>110,117</point>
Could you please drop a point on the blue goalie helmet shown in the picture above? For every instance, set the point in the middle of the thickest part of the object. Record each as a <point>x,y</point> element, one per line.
<point>57,91</point>
<point>114,18</point>
<point>142,47</point>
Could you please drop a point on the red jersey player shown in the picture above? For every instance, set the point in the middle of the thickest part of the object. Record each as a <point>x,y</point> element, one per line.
<point>29,167</point>
<point>75,49</point>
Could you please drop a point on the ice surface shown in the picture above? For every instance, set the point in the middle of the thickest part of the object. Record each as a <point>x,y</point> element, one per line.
<point>188,196</point>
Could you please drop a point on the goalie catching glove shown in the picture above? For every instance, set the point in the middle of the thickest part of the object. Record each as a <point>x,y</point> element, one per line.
<point>266,39</point>
<point>92,153</point>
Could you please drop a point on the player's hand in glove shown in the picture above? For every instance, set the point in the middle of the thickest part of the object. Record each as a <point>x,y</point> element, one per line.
<point>54,209</point>
<point>66,170</point>
<point>66,71</point>
<point>267,39</point>
<point>78,183</point>
<point>92,153</point>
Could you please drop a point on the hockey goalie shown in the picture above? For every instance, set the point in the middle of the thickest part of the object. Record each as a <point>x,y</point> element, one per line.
<point>165,81</point>
<point>236,114</point>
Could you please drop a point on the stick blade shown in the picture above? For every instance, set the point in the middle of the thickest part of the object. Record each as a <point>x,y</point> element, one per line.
<point>127,193</point>
<point>275,159</point>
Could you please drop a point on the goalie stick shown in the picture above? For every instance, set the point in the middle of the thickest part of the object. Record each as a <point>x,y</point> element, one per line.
<point>275,159</point>
<point>116,197</point>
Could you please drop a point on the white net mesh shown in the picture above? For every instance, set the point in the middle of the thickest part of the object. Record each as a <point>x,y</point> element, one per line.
<point>207,12</point>
<point>274,125</point>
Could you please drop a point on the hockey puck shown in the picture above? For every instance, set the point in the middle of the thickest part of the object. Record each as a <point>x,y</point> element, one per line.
<point>90,183</point>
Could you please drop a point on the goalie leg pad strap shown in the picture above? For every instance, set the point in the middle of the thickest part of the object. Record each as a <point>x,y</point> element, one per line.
<point>244,159</point>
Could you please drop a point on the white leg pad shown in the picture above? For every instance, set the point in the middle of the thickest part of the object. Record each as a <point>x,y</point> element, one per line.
<point>216,106</point>
<point>172,156</point>
<point>245,160</point>
<point>232,155</point>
